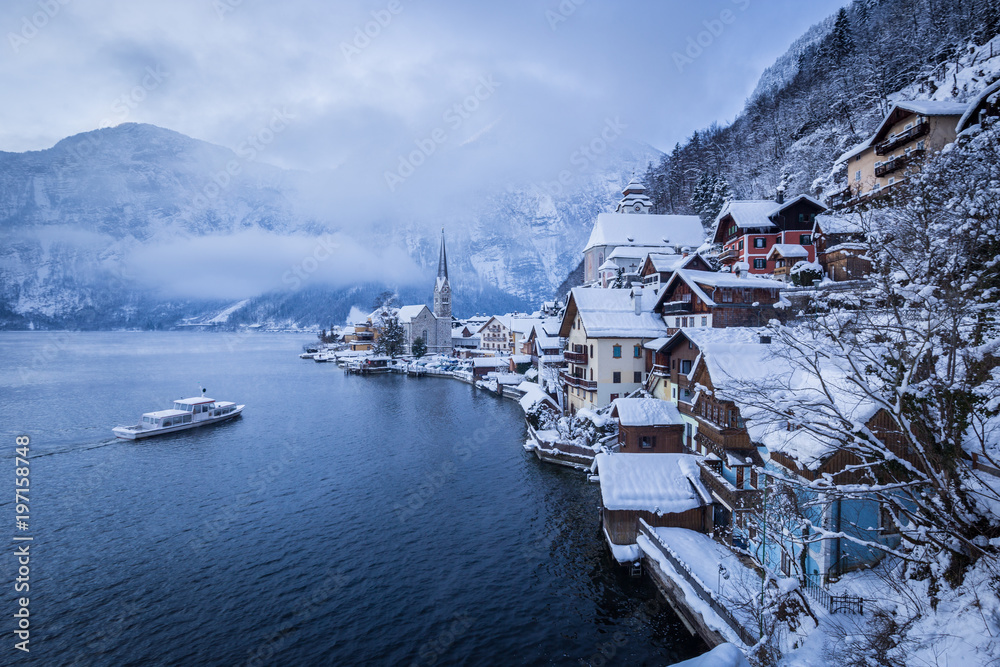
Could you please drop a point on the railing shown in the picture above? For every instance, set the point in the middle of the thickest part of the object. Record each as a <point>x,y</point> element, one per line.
<point>573,381</point>
<point>745,635</point>
<point>676,307</point>
<point>662,371</point>
<point>579,358</point>
<point>727,439</point>
<point>719,485</point>
<point>730,254</point>
<point>842,604</point>
<point>896,140</point>
<point>897,162</point>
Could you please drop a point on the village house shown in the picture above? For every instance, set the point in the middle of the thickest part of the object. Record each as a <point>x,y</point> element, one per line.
<point>840,247</point>
<point>658,268</point>
<point>360,337</point>
<point>710,299</point>
<point>983,106</point>
<point>747,230</point>
<point>605,331</point>
<point>649,426</point>
<point>665,490</point>
<point>497,335</point>
<point>785,256</point>
<point>634,229</point>
<point>909,133</point>
<point>682,374</point>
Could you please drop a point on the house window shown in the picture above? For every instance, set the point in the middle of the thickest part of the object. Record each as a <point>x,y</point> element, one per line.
<point>892,179</point>
<point>857,158</point>
<point>759,242</point>
<point>637,352</point>
<point>637,377</point>
<point>741,245</point>
<point>802,217</point>
<point>614,397</point>
<point>920,145</point>
<point>591,351</point>
<point>806,239</point>
<point>857,176</point>
<point>704,321</point>
<point>677,322</point>
<point>616,377</point>
<point>760,264</point>
<point>616,351</point>
<point>685,366</point>
<point>647,441</point>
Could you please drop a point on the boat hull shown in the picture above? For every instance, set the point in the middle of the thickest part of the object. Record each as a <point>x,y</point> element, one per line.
<point>132,433</point>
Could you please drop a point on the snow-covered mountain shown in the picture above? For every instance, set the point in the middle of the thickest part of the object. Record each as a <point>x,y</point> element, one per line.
<point>100,230</point>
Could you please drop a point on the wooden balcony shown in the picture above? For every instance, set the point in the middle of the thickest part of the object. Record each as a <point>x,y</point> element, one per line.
<point>723,489</point>
<point>898,162</point>
<point>906,136</point>
<point>729,256</point>
<point>675,307</point>
<point>578,358</point>
<point>721,439</point>
<point>580,383</point>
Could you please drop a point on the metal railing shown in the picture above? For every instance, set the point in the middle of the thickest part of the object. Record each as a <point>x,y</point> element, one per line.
<point>842,604</point>
<point>901,138</point>
<point>745,635</point>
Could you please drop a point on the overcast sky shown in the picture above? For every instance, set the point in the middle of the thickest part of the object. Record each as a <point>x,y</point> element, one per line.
<point>537,79</point>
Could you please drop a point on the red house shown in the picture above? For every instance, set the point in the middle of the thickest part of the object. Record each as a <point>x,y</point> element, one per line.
<point>748,229</point>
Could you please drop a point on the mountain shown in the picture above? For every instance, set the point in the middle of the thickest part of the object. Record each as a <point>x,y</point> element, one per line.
<point>829,92</point>
<point>138,226</point>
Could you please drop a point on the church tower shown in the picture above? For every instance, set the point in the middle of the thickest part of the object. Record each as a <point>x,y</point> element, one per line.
<point>634,198</point>
<point>442,304</point>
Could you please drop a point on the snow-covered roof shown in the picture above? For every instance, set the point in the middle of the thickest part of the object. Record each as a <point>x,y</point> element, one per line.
<point>778,208</point>
<point>787,251</point>
<point>608,265</point>
<point>746,373</point>
<point>748,212</point>
<point>923,107</point>
<point>407,313</point>
<point>663,263</point>
<point>533,395</point>
<point>629,252</point>
<point>490,362</point>
<point>698,280</point>
<point>967,118</point>
<point>624,229</point>
<point>610,313</point>
<point>931,107</point>
<point>660,483</point>
<point>521,358</point>
<point>646,412</point>
<point>841,223</point>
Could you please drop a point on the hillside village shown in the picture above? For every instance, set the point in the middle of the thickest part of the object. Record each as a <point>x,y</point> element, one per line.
<point>791,411</point>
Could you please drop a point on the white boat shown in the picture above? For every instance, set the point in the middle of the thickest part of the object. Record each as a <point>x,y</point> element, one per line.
<point>186,413</point>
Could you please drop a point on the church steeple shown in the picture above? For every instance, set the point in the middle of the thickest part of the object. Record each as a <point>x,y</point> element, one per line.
<point>442,260</point>
<point>442,290</point>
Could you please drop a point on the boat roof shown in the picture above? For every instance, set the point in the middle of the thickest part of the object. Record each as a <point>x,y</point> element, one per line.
<point>165,413</point>
<point>223,404</point>
<point>197,400</point>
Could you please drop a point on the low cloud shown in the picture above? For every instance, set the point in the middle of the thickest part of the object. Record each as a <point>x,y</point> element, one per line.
<point>253,262</point>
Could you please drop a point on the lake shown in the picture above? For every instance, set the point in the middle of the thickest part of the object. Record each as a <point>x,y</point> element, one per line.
<point>341,520</point>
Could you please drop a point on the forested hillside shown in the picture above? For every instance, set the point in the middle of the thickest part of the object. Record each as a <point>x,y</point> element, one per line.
<point>825,95</point>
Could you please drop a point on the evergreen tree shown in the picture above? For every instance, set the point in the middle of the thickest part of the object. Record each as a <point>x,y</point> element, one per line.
<point>419,347</point>
<point>390,337</point>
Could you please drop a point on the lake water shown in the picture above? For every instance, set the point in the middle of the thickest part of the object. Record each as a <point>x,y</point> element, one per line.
<point>341,520</point>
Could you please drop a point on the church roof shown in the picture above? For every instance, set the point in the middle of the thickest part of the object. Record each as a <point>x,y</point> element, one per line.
<point>621,229</point>
<point>442,261</point>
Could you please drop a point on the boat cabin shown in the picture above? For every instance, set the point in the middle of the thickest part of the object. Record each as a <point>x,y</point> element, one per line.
<point>165,418</point>
<point>202,405</point>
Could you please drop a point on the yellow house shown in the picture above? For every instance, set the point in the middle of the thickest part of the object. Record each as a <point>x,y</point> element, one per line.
<point>605,330</point>
<point>910,133</point>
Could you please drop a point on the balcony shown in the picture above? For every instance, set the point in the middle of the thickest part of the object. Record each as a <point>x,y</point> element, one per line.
<point>660,370</point>
<point>896,140</point>
<point>578,358</point>
<point>898,162</point>
<point>579,383</point>
<point>721,439</point>
<point>674,307</point>
<point>729,256</point>
<point>722,489</point>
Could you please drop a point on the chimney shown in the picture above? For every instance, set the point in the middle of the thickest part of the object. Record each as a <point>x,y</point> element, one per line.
<point>685,251</point>
<point>637,297</point>
<point>781,194</point>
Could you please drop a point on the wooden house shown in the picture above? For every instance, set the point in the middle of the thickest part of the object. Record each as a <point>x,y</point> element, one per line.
<point>908,134</point>
<point>709,299</point>
<point>663,489</point>
<point>841,246</point>
<point>658,268</point>
<point>747,229</point>
<point>649,426</point>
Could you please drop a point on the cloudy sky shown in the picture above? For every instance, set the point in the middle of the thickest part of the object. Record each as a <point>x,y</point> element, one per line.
<point>530,81</point>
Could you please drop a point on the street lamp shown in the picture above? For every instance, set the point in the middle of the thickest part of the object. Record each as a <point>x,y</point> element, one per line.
<point>723,574</point>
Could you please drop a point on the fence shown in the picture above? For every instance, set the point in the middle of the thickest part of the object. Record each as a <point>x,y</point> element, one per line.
<point>745,635</point>
<point>846,604</point>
